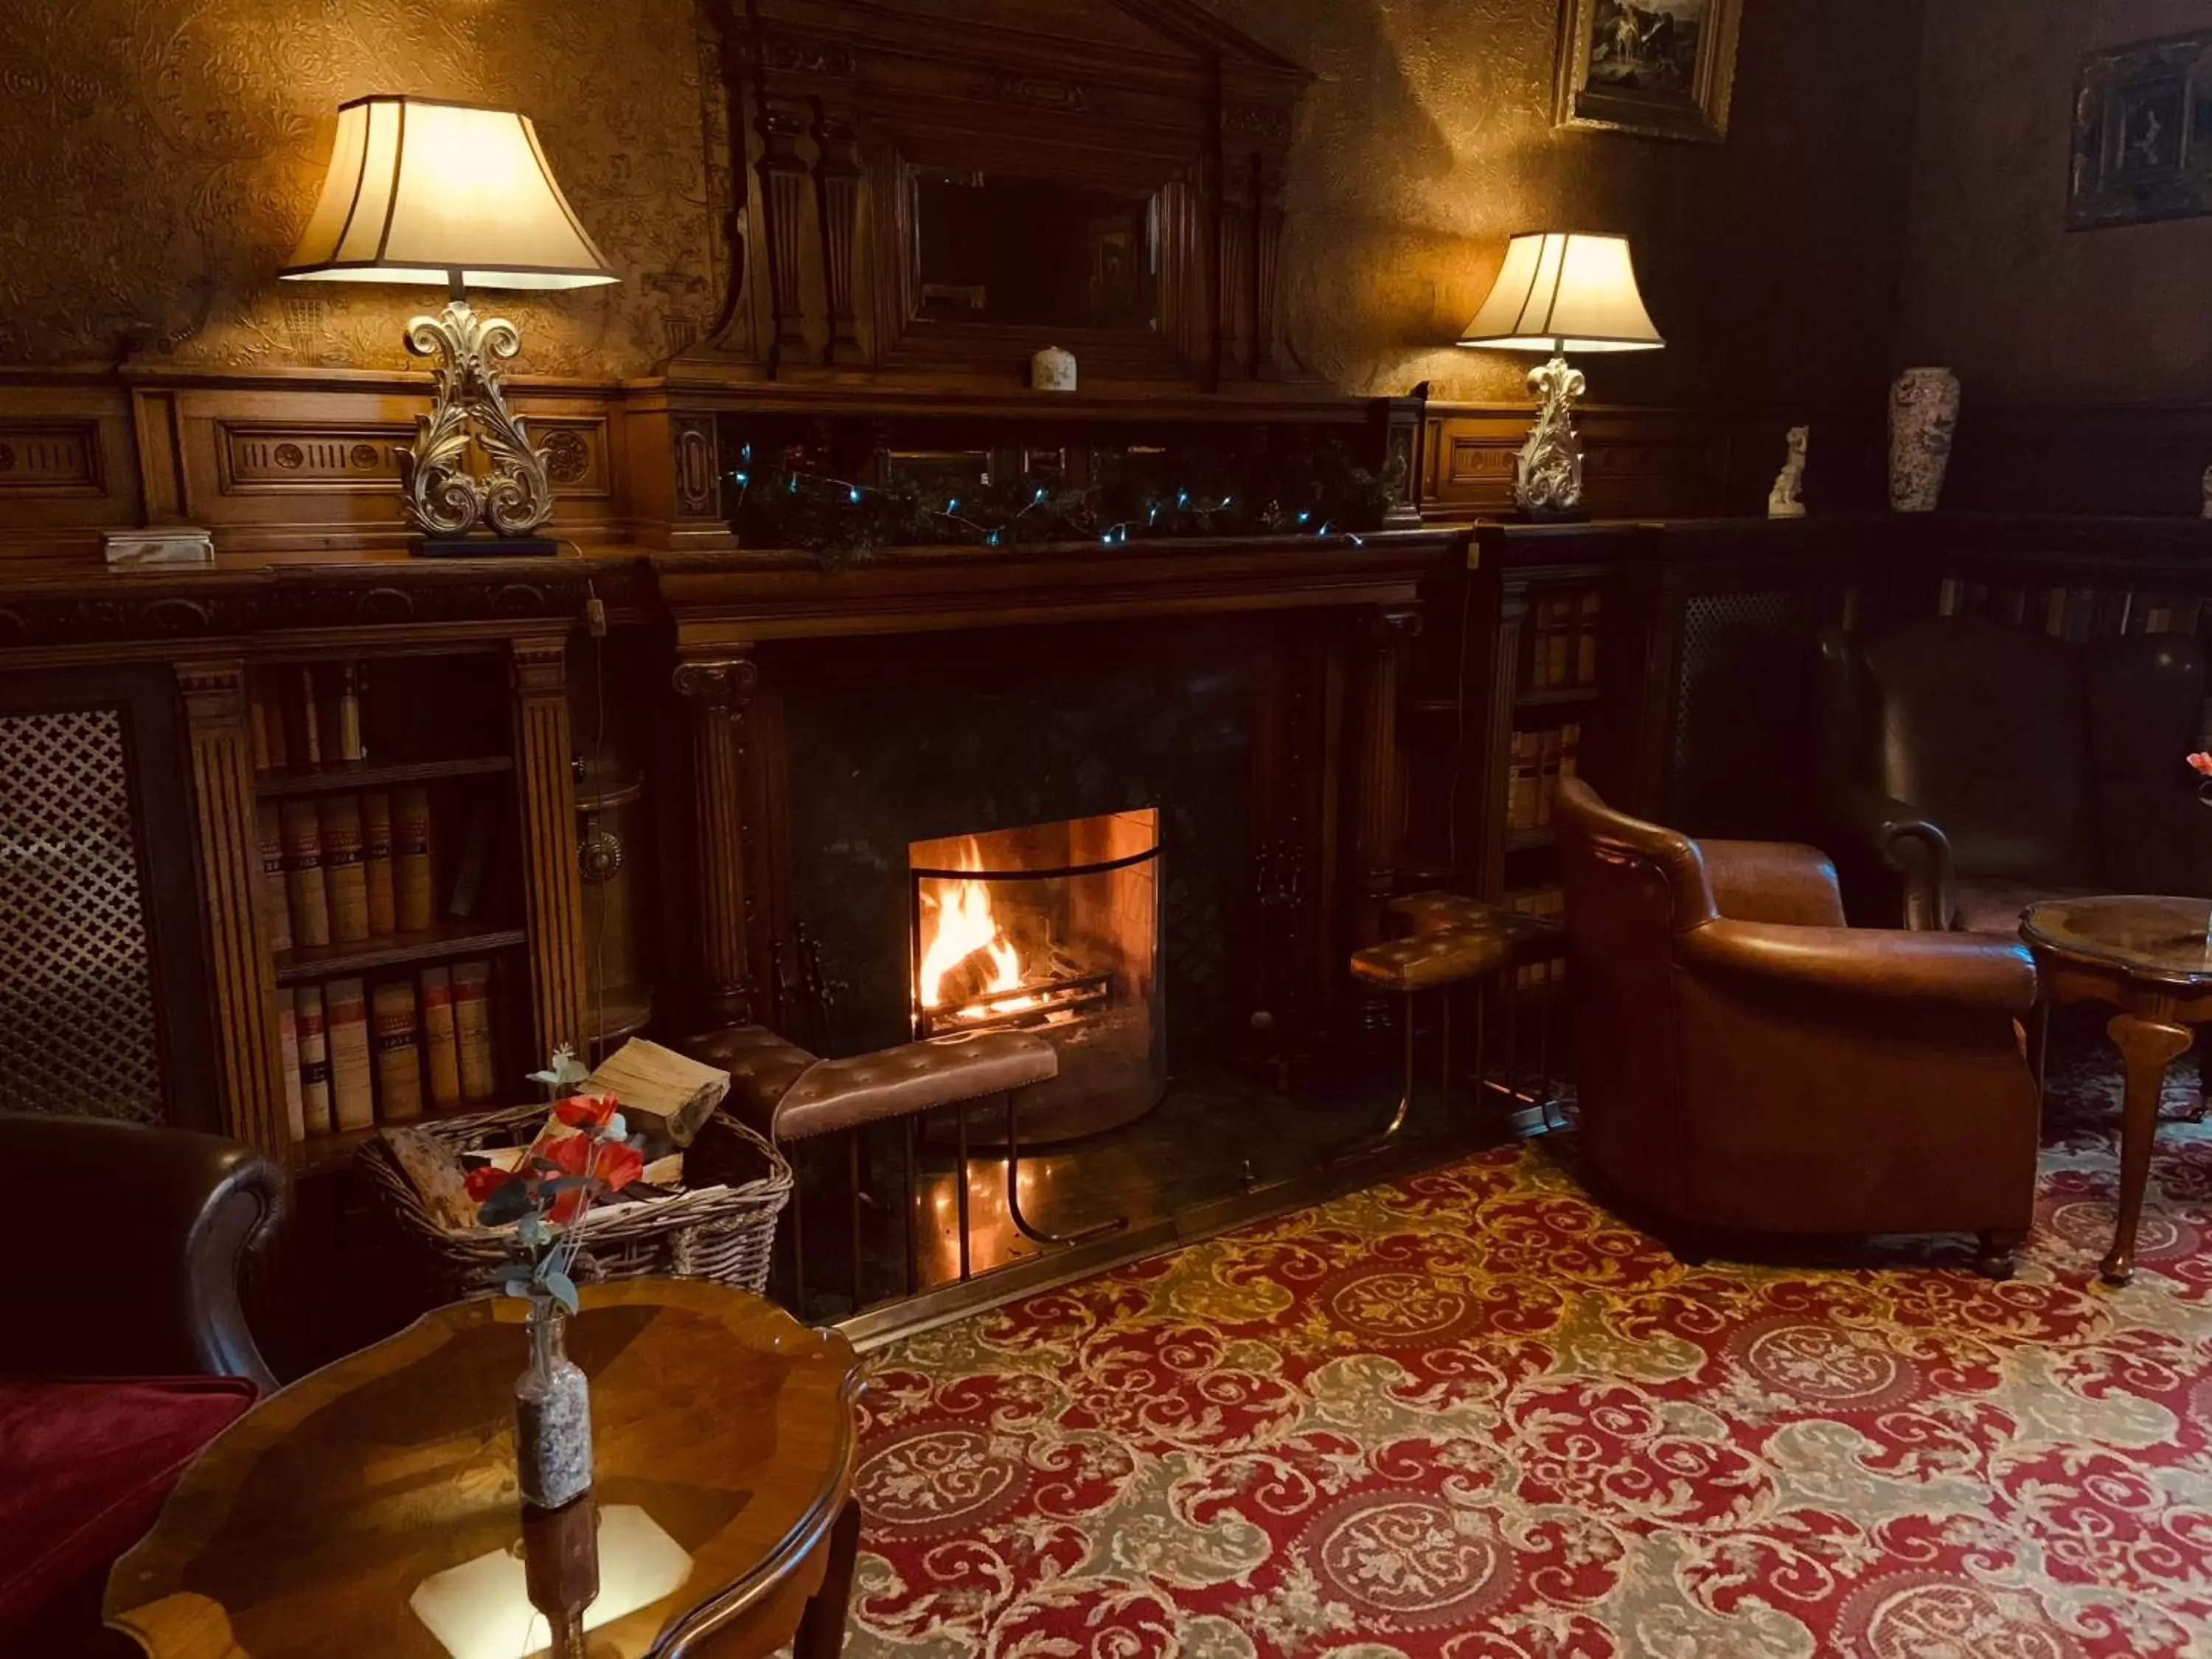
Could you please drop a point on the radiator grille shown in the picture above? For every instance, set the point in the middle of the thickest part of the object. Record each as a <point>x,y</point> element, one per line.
<point>76,1005</point>
<point>1739,706</point>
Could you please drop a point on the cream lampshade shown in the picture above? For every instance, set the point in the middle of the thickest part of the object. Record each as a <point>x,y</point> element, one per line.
<point>1557,292</point>
<point>423,191</point>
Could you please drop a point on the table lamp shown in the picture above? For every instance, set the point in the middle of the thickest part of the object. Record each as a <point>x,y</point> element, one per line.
<point>419,191</point>
<point>1560,291</point>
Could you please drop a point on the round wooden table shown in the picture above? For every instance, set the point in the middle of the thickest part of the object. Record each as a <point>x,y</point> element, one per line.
<point>370,1509</point>
<point>2150,958</point>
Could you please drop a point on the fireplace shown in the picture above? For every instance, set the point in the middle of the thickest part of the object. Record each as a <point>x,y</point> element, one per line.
<point>1054,929</point>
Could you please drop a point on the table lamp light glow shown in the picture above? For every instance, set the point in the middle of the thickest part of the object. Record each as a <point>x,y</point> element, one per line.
<point>1557,292</point>
<point>423,191</point>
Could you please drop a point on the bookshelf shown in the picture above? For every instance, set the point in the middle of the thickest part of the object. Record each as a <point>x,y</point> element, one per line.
<point>414,943</point>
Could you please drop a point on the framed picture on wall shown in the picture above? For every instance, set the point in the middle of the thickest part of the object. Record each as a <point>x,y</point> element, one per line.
<point>1662,68</point>
<point>2142,133</point>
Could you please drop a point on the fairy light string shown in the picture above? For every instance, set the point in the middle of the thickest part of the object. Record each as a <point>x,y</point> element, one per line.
<point>782,503</point>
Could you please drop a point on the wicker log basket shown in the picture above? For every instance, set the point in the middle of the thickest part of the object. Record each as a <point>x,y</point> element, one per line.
<point>721,1226</point>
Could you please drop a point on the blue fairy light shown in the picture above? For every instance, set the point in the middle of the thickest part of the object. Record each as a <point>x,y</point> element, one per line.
<point>855,496</point>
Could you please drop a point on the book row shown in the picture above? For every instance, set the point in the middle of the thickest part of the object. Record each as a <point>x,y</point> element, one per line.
<point>304,715</point>
<point>1538,761</point>
<point>1563,650</point>
<point>343,869</point>
<point>2072,613</point>
<point>357,1054</point>
<point>1539,901</point>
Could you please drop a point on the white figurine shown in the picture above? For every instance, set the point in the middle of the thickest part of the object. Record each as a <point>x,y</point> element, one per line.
<point>1782,500</point>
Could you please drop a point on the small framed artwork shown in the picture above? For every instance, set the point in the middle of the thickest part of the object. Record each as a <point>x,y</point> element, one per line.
<point>2142,133</point>
<point>1662,68</point>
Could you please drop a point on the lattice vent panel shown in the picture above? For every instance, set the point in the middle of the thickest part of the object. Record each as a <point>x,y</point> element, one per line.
<point>76,998</point>
<point>1739,708</point>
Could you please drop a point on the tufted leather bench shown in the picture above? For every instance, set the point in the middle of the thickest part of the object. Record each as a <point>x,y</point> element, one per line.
<point>1455,940</point>
<point>789,1094</point>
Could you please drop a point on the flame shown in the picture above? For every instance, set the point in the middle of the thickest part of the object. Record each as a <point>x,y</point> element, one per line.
<point>962,925</point>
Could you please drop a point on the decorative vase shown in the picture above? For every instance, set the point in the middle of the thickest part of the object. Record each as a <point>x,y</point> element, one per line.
<point>552,1415</point>
<point>1923,414</point>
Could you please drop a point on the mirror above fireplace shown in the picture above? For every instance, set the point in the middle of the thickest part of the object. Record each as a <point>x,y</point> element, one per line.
<point>998,247</point>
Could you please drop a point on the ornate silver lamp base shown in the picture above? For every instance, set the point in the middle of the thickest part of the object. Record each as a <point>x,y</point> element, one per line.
<point>444,499</point>
<point>1548,481</point>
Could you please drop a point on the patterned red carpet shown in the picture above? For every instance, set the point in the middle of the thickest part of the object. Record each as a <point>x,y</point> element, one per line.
<point>1473,1415</point>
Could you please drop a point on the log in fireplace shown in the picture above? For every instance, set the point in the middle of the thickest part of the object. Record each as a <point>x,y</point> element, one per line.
<point>1053,929</point>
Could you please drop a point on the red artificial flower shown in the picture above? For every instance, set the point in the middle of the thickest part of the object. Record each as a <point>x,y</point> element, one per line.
<point>486,1179</point>
<point>617,1165</point>
<point>587,1111</point>
<point>609,1162</point>
<point>2202,764</point>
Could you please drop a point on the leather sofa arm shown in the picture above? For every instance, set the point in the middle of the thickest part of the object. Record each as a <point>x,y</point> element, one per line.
<point>1901,841</point>
<point>1965,970</point>
<point>151,1229</point>
<point>1773,881</point>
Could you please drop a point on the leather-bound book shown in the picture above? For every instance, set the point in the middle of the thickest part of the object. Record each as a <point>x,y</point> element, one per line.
<point>376,863</point>
<point>307,724</point>
<point>257,722</point>
<point>441,1048</point>
<point>345,1027</point>
<point>303,872</point>
<point>276,903</point>
<point>346,881</point>
<point>472,1030</point>
<point>314,1059</point>
<point>399,1054</point>
<point>415,899</point>
<point>288,1047</point>
<point>476,853</point>
<point>341,713</point>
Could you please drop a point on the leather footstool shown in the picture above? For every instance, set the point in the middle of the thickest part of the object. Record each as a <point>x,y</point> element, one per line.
<point>1456,940</point>
<point>789,1094</point>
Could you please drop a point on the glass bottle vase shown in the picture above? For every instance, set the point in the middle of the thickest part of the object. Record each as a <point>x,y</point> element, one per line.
<point>552,1415</point>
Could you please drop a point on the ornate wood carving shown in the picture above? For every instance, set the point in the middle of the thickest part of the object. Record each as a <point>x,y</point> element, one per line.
<point>782,123</point>
<point>242,986</point>
<point>50,457</point>
<point>545,791</point>
<point>1137,98</point>
<point>274,457</point>
<point>719,690</point>
<point>837,207</point>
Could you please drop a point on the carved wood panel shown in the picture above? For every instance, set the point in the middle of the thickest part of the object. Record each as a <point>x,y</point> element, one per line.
<point>1151,98</point>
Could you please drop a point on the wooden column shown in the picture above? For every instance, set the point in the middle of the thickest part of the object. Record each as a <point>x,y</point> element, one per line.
<point>1488,796</point>
<point>545,794</point>
<point>242,980</point>
<point>719,689</point>
<point>1376,820</point>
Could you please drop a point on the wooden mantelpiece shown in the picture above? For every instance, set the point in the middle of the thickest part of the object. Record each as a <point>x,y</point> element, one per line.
<point>720,602</point>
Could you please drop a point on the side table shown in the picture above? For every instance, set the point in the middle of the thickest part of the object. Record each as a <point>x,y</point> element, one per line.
<point>371,1507</point>
<point>2151,959</point>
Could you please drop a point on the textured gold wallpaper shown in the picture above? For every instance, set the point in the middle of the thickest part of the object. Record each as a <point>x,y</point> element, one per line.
<point>1770,261</point>
<point>161,155</point>
<point>2026,310</point>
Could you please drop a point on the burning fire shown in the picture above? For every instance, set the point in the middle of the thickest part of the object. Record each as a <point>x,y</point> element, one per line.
<point>961,924</point>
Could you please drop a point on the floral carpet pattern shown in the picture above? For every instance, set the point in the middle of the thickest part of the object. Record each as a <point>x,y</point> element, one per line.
<point>1472,1414</point>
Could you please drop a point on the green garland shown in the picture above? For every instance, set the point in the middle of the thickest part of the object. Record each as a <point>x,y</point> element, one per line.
<point>1317,492</point>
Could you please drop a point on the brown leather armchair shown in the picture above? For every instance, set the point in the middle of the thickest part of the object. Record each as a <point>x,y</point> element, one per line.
<point>1965,768</point>
<point>141,1236</point>
<point>1750,1063</point>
